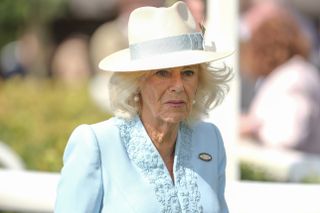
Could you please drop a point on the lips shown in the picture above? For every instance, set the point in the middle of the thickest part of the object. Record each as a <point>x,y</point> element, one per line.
<point>176,103</point>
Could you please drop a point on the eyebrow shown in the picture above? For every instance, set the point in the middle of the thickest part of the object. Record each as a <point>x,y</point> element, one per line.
<point>190,66</point>
<point>184,67</point>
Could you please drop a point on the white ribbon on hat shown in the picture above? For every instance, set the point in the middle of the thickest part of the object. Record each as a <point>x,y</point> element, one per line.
<point>191,41</point>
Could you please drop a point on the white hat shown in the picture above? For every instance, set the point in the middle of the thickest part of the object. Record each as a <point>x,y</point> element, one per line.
<point>161,38</point>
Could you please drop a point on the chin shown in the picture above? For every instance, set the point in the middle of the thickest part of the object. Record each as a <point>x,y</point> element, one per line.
<point>175,118</point>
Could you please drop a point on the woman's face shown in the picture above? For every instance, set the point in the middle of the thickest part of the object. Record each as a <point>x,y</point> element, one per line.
<point>167,94</point>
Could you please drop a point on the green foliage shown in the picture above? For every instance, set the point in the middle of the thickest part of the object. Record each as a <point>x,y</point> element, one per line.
<point>311,179</point>
<point>37,117</point>
<point>15,15</point>
<point>17,12</point>
<point>252,172</point>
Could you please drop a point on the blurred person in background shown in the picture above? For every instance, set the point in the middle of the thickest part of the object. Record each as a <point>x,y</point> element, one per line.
<point>23,57</point>
<point>155,154</point>
<point>10,63</point>
<point>70,63</point>
<point>285,111</point>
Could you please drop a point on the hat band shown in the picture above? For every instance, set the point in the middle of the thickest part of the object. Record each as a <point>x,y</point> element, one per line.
<point>191,41</point>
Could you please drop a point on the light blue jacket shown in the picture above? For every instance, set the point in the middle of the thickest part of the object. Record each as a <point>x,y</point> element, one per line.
<point>113,166</point>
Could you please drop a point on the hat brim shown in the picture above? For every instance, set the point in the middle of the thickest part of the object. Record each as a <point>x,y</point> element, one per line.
<point>122,62</point>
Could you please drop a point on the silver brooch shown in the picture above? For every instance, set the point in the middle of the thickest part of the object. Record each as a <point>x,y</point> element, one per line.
<point>205,156</point>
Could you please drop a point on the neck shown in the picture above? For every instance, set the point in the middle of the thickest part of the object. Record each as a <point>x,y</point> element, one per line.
<point>164,138</point>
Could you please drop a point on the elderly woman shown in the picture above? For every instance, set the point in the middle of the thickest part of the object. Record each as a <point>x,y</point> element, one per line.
<point>154,155</point>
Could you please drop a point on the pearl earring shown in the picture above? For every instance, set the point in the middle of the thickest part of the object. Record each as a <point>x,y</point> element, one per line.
<point>136,98</point>
<point>194,101</point>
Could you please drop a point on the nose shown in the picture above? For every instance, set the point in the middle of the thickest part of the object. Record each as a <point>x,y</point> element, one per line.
<point>176,83</point>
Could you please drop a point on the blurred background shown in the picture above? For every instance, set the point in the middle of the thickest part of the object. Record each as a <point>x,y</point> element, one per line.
<point>50,83</point>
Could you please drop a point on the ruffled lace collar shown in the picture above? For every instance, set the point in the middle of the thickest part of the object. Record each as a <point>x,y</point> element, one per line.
<point>183,196</point>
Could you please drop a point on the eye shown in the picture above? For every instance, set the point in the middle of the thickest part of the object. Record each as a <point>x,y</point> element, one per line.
<point>162,73</point>
<point>188,73</point>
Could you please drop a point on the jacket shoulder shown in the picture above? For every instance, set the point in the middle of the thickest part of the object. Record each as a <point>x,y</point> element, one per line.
<point>207,134</point>
<point>206,128</point>
<point>106,131</point>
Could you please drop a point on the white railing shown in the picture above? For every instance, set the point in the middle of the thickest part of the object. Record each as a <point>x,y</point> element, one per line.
<point>28,191</point>
<point>258,197</point>
<point>9,158</point>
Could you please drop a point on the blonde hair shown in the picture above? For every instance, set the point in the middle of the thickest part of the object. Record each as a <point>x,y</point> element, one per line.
<point>123,87</point>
